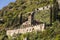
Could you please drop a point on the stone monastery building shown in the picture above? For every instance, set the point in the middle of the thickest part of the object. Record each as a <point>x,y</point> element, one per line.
<point>29,25</point>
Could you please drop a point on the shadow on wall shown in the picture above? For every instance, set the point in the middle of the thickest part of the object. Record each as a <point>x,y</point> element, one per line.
<point>58,18</point>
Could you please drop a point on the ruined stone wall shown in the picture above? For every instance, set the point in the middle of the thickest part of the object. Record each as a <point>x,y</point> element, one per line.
<point>25,30</point>
<point>45,7</point>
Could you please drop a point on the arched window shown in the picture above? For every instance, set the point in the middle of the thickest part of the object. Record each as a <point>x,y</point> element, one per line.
<point>27,29</point>
<point>43,8</point>
<point>33,29</point>
<point>47,6</point>
<point>30,29</point>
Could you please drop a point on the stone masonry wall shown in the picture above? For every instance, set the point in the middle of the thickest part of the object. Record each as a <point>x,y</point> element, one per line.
<point>25,30</point>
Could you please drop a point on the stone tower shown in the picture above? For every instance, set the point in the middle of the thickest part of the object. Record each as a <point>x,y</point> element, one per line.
<point>31,18</point>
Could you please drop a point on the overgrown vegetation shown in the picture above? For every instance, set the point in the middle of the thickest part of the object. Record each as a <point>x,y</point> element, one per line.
<point>51,33</point>
<point>10,16</point>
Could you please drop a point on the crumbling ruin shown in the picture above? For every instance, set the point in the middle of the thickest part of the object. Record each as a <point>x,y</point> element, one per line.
<point>27,26</point>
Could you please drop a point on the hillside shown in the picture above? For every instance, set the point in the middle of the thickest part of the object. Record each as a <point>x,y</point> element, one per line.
<point>10,17</point>
<point>10,12</point>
